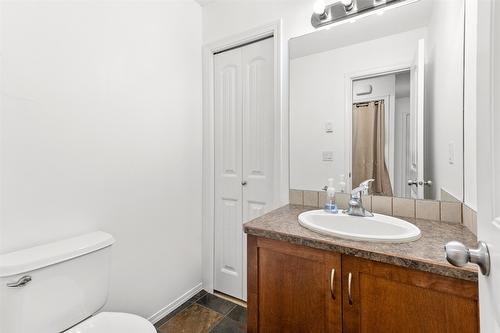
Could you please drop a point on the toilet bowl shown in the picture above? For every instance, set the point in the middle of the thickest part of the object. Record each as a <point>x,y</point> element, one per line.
<point>113,322</point>
<point>60,287</point>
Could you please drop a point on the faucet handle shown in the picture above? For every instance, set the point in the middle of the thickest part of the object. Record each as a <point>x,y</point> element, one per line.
<point>365,186</point>
<point>362,188</point>
<point>366,183</point>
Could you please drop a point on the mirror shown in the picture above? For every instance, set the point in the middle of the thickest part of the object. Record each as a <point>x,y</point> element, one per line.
<point>381,97</point>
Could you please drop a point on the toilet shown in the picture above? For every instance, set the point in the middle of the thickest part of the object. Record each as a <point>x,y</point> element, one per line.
<point>60,287</point>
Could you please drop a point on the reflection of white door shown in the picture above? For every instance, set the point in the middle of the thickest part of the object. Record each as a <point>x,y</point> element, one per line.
<point>404,125</point>
<point>416,152</point>
<point>244,154</point>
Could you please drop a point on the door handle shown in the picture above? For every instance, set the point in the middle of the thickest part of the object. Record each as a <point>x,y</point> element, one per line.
<point>412,182</point>
<point>459,255</point>
<point>425,183</point>
<point>349,288</point>
<point>20,283</point>
<point>332,283</point>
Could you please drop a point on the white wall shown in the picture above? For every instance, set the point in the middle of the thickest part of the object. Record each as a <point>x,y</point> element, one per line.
<point>401,152</point>
<point>317,94</point>
<point>444,103</point>
<point>382,86</point>
<point>244,15</point>
<point>101,129</point>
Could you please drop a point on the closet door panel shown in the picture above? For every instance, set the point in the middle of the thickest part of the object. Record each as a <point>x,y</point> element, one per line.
<point>228,173</point>
<point>258,130</point>
<point>258,127</point>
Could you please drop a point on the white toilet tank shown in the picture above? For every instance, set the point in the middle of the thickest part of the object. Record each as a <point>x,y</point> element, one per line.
<point>68,282</point>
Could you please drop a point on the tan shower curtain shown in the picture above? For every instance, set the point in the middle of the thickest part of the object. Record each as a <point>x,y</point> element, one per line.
<point>368,140</point>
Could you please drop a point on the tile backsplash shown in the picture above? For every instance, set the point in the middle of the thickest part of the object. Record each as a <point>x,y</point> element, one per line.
<point>454,212</point>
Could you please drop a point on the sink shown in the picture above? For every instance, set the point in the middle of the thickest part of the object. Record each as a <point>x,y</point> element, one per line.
<point>379,228</point>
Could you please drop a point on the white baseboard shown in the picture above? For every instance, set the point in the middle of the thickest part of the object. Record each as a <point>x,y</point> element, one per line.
<point>175,304</point>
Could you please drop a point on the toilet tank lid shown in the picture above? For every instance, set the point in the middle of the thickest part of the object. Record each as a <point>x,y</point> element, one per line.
<point>27,260</point>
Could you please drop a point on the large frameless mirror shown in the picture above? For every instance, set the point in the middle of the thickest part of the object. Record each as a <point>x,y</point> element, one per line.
<point>381,97</point>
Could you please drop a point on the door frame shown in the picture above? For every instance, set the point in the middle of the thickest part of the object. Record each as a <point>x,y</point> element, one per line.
<point>281,136</point>
<point>349,78</point>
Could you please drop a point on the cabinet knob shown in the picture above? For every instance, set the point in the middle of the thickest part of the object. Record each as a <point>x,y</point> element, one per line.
<point>243,182</point>
<point>459,255</point>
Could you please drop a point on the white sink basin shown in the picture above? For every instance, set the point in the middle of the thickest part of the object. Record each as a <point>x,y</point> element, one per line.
<point>379,228</point>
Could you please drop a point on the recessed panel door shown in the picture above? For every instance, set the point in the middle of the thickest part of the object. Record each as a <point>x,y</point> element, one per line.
<point>416,163</point>
<point>258,133</point>
<point>244,154</point>
<point>228,173</point>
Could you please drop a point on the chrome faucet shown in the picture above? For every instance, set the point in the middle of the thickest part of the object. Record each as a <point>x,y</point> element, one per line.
<point>355,205</point>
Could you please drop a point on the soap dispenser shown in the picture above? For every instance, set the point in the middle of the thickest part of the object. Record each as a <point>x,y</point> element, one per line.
<point>330,205</point>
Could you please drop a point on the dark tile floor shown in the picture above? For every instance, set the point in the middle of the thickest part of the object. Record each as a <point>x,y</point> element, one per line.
<point>205,313</point>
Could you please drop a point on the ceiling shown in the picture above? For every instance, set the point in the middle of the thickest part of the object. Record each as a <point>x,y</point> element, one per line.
<point>204,2</point>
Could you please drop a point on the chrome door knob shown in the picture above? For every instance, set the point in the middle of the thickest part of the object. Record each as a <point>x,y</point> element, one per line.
<point>412,182</point>
<point>426,183</point>
<point>458,255</point>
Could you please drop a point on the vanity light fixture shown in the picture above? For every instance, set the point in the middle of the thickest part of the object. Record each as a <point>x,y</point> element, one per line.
<point>319,8</point>
<point>340,10</point>
<point>348,4</point>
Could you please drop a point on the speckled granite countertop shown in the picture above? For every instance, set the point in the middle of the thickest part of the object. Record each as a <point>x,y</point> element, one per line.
<point>425,254</point>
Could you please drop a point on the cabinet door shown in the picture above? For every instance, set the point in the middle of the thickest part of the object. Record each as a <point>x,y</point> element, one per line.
<point>290,288</point>
<point>389,299</point>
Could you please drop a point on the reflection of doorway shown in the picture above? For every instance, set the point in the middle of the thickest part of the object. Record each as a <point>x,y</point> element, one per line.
<point>370,146</point>
<point>414,123</point>
<point>393,89</point>
<point>402,123</point>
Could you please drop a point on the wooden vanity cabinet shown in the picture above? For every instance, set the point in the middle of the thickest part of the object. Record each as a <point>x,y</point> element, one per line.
<point>290,290</point>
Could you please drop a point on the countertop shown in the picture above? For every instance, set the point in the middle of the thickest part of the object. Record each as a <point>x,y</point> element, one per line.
<point>425,254</point>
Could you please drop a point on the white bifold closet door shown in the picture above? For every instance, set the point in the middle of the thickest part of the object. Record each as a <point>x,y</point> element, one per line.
<point>244,154</point>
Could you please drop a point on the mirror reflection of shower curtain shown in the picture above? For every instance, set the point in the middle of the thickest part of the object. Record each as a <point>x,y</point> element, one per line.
<point>368,141</point>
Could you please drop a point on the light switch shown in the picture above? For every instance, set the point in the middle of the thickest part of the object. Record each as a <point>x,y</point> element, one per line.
<point>328,127</point>
<point>328,156</point>
<point>451,152</point>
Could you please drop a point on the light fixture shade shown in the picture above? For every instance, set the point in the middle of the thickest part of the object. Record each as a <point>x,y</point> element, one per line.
<point>319,7</point>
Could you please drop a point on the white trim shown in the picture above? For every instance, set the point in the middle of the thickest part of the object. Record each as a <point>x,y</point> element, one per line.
<point>281,180</point>
<point>175,304</point>
<point>349,78</point>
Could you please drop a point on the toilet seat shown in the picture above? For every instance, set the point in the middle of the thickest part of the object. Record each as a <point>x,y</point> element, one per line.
<point>113,322</point>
